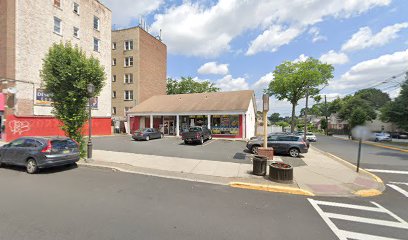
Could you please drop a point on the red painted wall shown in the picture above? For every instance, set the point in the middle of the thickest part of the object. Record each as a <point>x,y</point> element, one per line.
<point>147,122</point>
<point>134,124</point>
<point>157,122</point>
<point>48,126</point>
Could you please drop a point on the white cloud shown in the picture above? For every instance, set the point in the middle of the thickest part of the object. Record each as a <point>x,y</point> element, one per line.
<point>228,83</point>
<point>123,11</point>
<point>263,82</point>
<point>273,38</point>
<point>365,38</point>
<point>371,72</point>
<point>315,32</point>
<point>213,68</point>
<point>196,29</point>
<point>302,57</point>
<point>333,57</point>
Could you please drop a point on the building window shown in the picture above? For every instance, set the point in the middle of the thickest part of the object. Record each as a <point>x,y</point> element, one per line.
<point>114,110</point>
<point>96,23</point>
<point>128,61</point>
<point>76,8</point>
<point>129,78</point>
<point>114,94</point>
<point>57,25</point>
<point>97,42</point>
<point>225,124</point>
<point>114,78</point>
<point>114,62</point>
<point>128,45</point>
<point>128,95</point>
<point>113,46</point>
<point>57,3</point>
<point>76,32</point>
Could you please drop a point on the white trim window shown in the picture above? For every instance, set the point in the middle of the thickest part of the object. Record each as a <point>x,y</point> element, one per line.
<point>113,78</point>
<point>76,32</point>
<point>114,46</point>
<point>128,61</point>
<point>128,95</point>
<point>97,43</point>
<point>128,45</point>
<point>96,23</point>
<point>57,26</point>
<point>128,78</point>
<point>76,8</point>
<point>114,110</point>
<point>113,94</point>
<point>114,62</point>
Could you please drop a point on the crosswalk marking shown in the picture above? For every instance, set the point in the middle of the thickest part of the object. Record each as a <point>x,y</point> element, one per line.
<point>387,171</point>
<point>343,234</point>
<point>398,189</point>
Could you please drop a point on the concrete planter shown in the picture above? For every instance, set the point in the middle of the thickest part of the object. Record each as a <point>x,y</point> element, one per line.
<point>281,172</point>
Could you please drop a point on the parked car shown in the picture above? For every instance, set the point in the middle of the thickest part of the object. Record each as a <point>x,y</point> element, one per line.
<point>39,152</point>
<point>196,134</point>
<point>283,144</point>
<point>380,137</point>
<point>311,137</point>
<point>147,134</point>
<point>399,135</point>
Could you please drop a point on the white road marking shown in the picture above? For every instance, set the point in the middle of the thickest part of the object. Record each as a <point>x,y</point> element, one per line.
<point>398,189</point>
<point>209,142</point>
<point>402,183</point>
<point>343,234</point>
<point>387,171</point>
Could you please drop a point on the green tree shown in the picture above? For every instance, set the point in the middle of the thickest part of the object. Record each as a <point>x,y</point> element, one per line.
<point>293,80</point>
<point>334,106</point>
<point>189,85</point>
<point>397,110</point>
<point>66,72</point>
<point>275,117</point>
<point>375,97</point>
<point>324,124</point>
<point>356,111</point>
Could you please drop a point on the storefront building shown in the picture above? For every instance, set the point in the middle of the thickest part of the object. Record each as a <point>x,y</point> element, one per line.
<point>226,114</point>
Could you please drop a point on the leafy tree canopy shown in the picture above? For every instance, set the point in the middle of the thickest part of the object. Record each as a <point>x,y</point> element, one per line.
<point>292,80</point>
<point>397,110</point>
<point>66,72</point>
<point>189,85</point>
<point>356,111</point>
<point>375,97</point>
<point>275,117</point>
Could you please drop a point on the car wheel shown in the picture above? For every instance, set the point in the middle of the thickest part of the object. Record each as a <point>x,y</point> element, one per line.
<point>201,140</point>
<point>254,149</point>
<point>294,152</point>
<point>147,138</point>
<point>210,137</point>
<point>185,142</point>
<point>31,166</point>
<point>376,140</point>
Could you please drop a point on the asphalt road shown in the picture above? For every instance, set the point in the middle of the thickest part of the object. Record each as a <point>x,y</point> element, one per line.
<point>98,204</point>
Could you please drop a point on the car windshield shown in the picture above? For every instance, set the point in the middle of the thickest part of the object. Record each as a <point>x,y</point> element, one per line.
<point>309,134</point>
<point>194,129</point>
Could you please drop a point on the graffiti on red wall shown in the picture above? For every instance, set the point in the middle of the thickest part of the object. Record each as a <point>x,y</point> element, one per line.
<point>16,127</point>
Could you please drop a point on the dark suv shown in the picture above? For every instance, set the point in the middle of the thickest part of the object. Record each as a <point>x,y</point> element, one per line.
<point>283,144</point>
<point>39,152</point>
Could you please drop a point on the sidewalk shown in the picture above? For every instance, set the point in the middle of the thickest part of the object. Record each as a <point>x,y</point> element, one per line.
<point>323,174</point>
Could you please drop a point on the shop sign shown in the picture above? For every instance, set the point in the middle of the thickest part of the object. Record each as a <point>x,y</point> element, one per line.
<point>42,98</point>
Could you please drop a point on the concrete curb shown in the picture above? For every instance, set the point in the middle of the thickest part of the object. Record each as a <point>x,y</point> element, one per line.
<point>361,193</point>
<point>271,188</point>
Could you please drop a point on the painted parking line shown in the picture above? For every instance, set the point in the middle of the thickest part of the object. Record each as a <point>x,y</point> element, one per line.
<point>209,142</point>
<point>345,234</point>
<point>387,171</point>
<point>399,189</point>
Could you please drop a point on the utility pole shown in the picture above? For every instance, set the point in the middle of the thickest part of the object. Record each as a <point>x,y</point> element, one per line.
<point>325,113</point>
<point>265,109</point>
<point>307,105</point>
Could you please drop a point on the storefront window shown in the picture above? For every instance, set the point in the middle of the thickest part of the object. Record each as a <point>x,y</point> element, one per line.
<point>225,124</point>
<point>193,120</point>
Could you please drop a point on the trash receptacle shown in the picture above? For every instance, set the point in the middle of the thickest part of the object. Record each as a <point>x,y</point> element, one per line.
<point>259,165</point>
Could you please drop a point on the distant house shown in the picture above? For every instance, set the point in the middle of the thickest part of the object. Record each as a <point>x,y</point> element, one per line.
<point>376,125</point>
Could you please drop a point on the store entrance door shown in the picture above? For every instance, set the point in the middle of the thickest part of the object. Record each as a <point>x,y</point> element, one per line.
<point>168,127</point>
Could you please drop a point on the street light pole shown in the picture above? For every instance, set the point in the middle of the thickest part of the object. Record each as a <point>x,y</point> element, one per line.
<point>90,89</point>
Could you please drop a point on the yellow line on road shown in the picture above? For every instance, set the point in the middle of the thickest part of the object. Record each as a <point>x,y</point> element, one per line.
<point>270,188</point>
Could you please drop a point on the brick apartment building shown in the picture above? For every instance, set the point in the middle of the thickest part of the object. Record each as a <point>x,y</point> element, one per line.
<point>27,31</point>
<point>139,69</point>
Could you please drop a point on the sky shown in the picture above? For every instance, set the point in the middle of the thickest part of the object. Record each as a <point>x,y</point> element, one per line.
<point>236,44</point>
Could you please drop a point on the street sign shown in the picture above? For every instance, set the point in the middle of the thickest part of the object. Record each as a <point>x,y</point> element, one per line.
<point>265,99</point>
<point>361,132</point>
